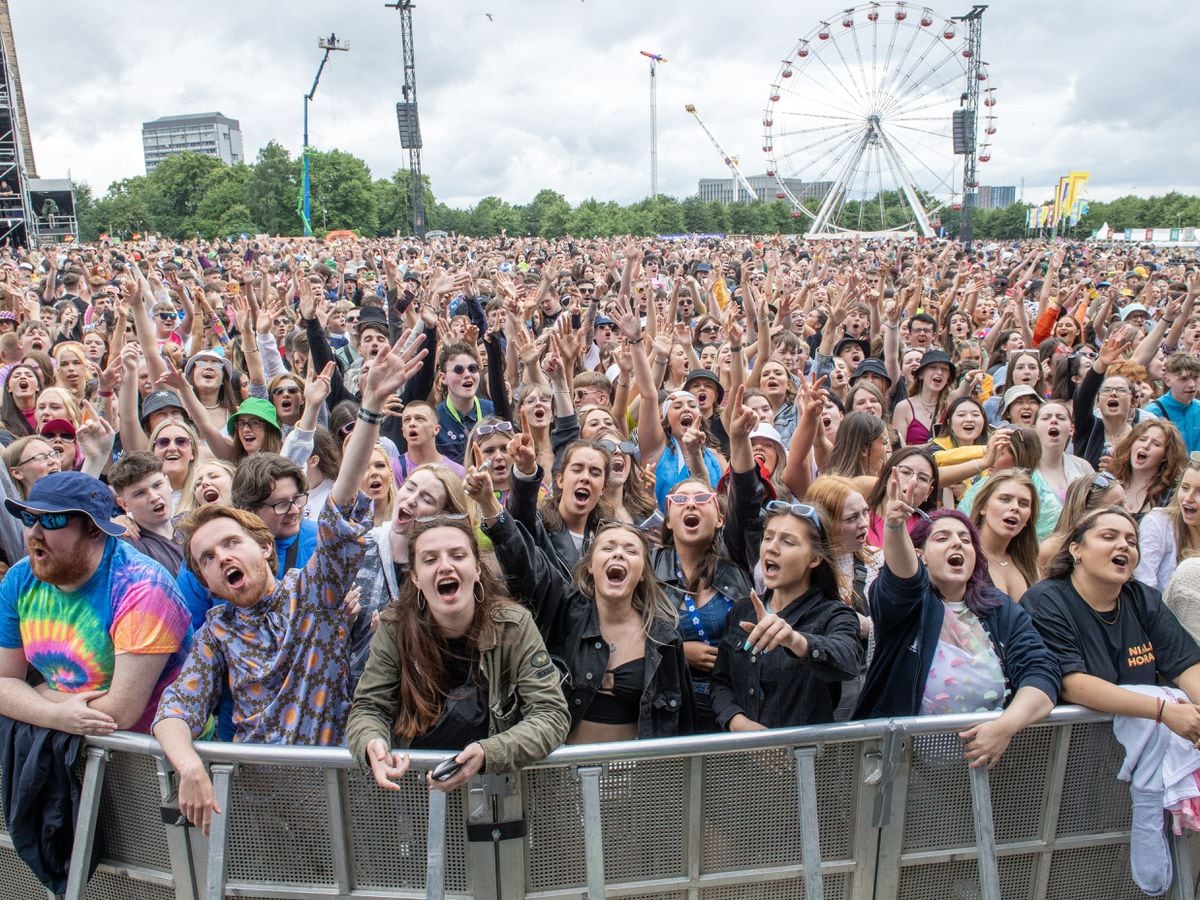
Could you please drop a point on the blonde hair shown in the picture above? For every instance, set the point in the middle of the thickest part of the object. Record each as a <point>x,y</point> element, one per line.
<point>187,502</point>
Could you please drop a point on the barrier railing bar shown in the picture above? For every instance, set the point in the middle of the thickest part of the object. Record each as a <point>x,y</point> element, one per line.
<point>1014,848</point>
<point>985,833</point>
<point>891,811</point>
<point>810,828</point>
<point>179,847</point>
<point>218,832</point>
<point>864,839</point>
<point>695,824</point>
<point>707,881</point>
<point>1060,753</point>
<point>339,828</point>
<point>1183,885</point>
<point>85,823</point>
<point>435,847</point>
<point>593,831</point>
<point>599,754</point>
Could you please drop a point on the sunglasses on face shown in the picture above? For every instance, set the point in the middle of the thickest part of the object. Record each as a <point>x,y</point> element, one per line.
<point>803,510</point>
<point>499,428</point>
<point>162,443</point>
<point>345,430</point>
<point>59,436</point>
<point>626,447</point>
<point>460,369</point>
<point>290,390</point>
<point>48,521</point>
<point>281,322</point>
<point>281,508</point>
<point>708,328</point>
<point>205,363</point>
<point>699,498</point>
<point>168,317</point>
<point>587,290</point>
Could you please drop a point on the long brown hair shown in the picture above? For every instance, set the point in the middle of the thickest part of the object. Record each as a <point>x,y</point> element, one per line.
<point>1183,534</point>
<point>549,506</point>
<point>707,570</point>
<point>422,649</point>
<point>1024,546</point>
<point>1174,461</point>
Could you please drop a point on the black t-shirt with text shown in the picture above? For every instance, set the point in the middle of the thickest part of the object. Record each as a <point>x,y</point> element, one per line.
<point>1143,641</point>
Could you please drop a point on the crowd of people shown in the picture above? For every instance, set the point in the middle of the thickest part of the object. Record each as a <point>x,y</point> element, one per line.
<point>494,495</point>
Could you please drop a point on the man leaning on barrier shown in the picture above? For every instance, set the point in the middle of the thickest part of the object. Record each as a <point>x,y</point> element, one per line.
<point>104,626</point>
<point>281,644</point>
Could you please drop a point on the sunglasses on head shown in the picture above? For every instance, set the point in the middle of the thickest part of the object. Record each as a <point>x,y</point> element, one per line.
<point>48,521</point>
<point>162,443</point>
<point>626,447</point>
<point>345,430</point>
<point>440,517</point>
<point>699,498</point>
<point>500,427</point>
<point>803,510</point>
<point>460,369</point>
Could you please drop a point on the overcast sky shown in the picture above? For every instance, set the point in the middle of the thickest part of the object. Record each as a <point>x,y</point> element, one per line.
<point>553,93</point>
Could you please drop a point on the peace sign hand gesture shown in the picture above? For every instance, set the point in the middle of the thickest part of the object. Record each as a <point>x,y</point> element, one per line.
<point>770,631</point>
<point>899,507</point>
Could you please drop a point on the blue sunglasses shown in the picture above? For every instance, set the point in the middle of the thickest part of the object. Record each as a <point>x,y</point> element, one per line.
<point>48,521</point>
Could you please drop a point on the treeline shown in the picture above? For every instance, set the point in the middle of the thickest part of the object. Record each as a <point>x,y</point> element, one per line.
<point>198,196</point>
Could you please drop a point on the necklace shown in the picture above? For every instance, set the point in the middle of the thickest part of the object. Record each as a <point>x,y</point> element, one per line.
<point>1111,616</point>
<point>999,562</point>
<point>624,633</point>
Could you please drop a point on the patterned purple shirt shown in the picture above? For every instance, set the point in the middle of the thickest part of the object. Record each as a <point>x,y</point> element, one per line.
<point>286,657</point>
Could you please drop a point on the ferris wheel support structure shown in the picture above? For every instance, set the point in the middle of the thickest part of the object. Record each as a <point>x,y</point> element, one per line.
<point>731,162</point>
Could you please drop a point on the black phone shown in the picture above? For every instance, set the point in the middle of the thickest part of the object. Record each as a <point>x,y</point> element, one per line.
<point>446,769</point>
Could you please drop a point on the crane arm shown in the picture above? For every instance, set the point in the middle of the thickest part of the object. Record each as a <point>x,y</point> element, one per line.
<point>729,160</point>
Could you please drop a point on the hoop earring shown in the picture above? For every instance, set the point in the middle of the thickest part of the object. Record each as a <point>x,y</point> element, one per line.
<point>420,601</point>
<point>478,592</point>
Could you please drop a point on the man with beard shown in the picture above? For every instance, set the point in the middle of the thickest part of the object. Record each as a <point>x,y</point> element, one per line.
<point>280,644</point>
<point>104,625</point>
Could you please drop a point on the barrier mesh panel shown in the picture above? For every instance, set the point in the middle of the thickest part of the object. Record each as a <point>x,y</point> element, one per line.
<point>279,827</point>
<point>836,888</point>
<point>108,886</point>
<point>938,813</point>
<point>960,880</point>
<point>1018,786</point>
<point>1092,872</point>
<point>130,824</point>
<point>1092,798</point>
<point>15,878</point>
<point>388,842</point>
<point>751,818</point>
<point>643,811</point>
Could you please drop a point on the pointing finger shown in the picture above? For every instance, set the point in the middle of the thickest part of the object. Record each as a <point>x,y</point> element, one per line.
<point>759,610</point>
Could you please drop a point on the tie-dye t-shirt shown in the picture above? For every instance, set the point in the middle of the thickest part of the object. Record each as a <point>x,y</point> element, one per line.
<point>130,605</point>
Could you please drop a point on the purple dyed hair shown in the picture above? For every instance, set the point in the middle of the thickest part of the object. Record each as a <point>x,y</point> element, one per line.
<point>981,595</point>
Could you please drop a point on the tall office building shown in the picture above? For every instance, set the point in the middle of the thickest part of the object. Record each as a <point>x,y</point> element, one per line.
<point>209,133</point>
<point>765,188</point>
<point>996,197</point>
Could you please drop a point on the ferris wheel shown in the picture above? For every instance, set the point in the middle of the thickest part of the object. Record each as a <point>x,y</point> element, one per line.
<point>860,125</point>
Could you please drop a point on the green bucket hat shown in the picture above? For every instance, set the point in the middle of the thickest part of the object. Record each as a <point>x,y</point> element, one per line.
<point>257,407</point>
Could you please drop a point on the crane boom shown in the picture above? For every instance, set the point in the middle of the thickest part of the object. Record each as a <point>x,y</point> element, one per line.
<point>729,160</point>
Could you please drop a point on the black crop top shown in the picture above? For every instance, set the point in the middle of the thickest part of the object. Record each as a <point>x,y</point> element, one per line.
<point>619,698</point>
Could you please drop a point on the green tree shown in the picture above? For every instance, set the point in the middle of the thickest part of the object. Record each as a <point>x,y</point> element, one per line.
<point>174,190</point>
<point>547,215</point>
<point>223,209</point>
<point>342,193</point>
<point>123,210</point>
<point>272,189</point>
<point>491,214</point>
<point>394,200</point>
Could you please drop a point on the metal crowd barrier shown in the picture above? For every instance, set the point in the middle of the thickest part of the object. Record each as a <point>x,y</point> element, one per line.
<point>878,810</point>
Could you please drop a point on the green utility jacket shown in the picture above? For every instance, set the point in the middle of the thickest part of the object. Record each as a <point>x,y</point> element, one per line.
<point>527,711</point>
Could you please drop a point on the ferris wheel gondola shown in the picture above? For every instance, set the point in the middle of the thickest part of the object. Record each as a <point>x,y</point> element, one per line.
<point>858,123</point>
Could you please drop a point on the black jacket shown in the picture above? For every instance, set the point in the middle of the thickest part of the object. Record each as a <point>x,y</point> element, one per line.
<point>908,617</point>
<point>556,543</point>
<point>570,625</point>
<point>778,689</point>
<point>41,799</point>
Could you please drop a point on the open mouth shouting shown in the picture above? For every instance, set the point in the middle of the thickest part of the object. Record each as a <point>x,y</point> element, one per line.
<point>1012,522</point>
<point>771,570</point>
<point>956,562</point>
<point>210,494</point>
<point>447,587</point>
<point>687,420</point>
<point>616,573</point>
<point>235,577</point>
<point>1122,562</point>
<point>539,414</point>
